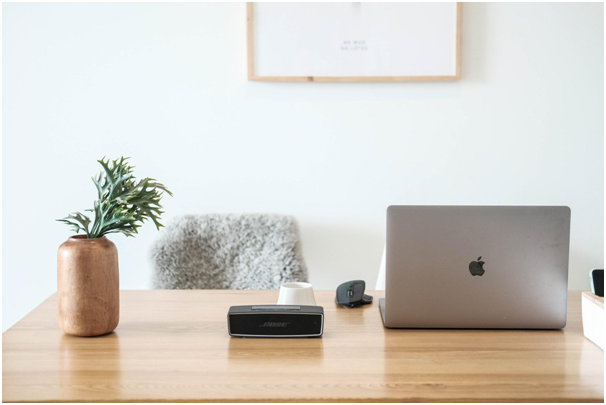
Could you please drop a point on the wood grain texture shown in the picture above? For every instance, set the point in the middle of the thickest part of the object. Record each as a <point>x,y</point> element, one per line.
<point>253,77</point>
<point>249,41</point>
<point>174,346</point>
<point>88,286</point>
<point>458,42</point>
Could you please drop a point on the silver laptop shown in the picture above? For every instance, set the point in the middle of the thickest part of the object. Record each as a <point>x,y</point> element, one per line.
<point>476,267</point>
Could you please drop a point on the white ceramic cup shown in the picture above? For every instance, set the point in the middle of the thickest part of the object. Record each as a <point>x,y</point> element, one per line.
<point>296,294</point>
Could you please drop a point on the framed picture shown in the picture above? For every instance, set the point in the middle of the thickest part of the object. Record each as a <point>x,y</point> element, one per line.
<point>354,42</point>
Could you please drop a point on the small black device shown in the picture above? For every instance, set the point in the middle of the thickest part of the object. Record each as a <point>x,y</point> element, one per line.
<point>275,321</point>
<point>351,294</point>
<point>596,278</point>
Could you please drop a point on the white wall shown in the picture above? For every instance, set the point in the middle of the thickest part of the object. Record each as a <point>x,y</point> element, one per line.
<point>166,84</point>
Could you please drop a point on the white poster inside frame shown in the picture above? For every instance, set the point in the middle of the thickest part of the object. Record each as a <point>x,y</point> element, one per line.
<point>353,41</point>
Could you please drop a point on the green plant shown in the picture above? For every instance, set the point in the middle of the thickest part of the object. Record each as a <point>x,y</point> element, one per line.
<point>123,203</point>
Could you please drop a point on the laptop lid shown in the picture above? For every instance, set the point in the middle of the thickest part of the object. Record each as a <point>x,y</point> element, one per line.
<point>477,267</point>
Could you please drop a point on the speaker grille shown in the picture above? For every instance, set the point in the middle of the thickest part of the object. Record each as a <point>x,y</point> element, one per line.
<point>275,325</point>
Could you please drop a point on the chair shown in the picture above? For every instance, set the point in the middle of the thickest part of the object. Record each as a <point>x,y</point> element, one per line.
<point>239,252</point>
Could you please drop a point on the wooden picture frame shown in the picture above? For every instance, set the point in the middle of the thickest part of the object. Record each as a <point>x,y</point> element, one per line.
<point>253,76</point>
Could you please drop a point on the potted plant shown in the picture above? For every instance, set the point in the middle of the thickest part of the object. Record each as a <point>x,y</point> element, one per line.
<point>87,264</point>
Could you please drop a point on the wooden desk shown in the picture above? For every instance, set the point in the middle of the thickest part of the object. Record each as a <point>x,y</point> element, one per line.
<point>173,346</point>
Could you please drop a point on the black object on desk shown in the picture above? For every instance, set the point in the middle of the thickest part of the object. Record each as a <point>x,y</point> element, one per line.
<point>275,321</point>
<point>596,277</point>
<point>351,294</point>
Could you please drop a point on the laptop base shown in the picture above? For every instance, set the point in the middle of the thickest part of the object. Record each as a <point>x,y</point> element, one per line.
<point>382,309</point>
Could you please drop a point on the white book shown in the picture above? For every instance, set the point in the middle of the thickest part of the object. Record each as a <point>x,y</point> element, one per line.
<point>592,308</point>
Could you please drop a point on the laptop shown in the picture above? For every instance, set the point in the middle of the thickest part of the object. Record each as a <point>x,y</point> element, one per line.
<point>493,267</point>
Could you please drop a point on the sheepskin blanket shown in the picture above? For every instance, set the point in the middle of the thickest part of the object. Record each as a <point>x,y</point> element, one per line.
<point>240,252</point>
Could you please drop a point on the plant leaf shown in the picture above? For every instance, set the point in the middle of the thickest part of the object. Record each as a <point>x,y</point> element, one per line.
<point>123,204</point>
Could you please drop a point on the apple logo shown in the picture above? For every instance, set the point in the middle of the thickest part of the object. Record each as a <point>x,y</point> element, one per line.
<point>476,268</point>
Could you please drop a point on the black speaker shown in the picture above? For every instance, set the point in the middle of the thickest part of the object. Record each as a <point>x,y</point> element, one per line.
<point>275,321</point>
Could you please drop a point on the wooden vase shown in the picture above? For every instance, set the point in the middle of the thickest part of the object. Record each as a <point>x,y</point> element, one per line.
<point>88,286</point>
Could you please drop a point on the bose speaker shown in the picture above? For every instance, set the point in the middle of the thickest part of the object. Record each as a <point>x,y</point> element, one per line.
<point>275,321</point>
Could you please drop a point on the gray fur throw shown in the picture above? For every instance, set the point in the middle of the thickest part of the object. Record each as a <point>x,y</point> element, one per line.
<point>239,252</point>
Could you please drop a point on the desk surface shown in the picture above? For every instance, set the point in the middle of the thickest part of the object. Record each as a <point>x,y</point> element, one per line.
<point>174,346</point>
